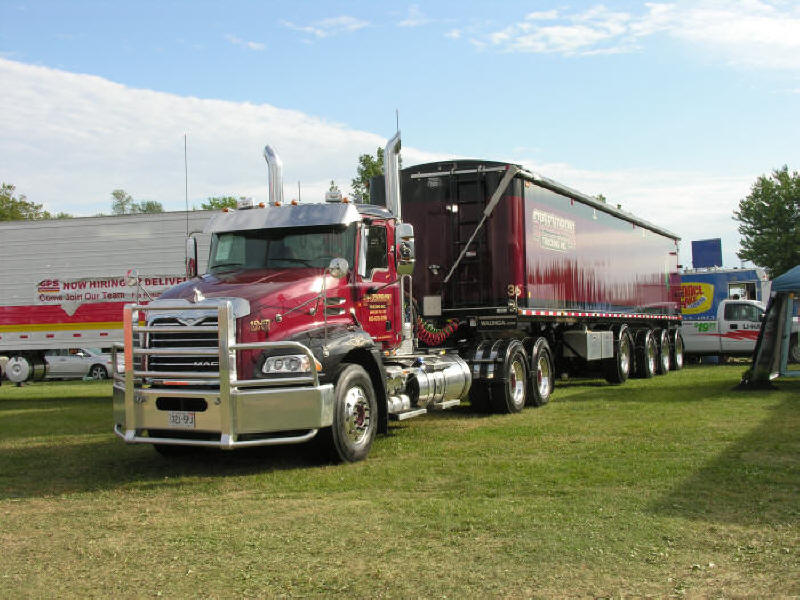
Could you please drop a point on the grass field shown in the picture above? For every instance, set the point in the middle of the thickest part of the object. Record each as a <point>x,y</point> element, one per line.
<point>675,486</point>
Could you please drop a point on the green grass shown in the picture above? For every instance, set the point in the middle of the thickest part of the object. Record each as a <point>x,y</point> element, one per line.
<point>677,485</point>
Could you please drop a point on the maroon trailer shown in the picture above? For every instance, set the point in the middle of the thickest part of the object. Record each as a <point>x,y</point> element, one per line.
<point>325,320</point>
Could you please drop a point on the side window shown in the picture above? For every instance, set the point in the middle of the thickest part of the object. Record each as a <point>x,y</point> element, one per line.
<point>733,312</point>
<point>377,257</point>
<point>753,313</point>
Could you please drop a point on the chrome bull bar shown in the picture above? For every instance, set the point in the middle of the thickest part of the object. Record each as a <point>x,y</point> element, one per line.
<point>259,408</point>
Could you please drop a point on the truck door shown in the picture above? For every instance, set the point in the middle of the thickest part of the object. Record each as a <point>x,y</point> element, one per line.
<point>739,327</point>
<point>377,289</point>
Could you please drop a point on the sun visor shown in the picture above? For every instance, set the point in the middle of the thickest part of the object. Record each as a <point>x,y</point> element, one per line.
<point>277,217</point>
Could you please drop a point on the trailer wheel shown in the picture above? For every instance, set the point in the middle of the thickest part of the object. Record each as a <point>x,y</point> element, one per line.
<point>542,373</point>
<point>676,351</point>
<point>664,352</point>
<point>355,417</point>
<point>509,394</point>
<point>646,354</point>
<point>618,369</point>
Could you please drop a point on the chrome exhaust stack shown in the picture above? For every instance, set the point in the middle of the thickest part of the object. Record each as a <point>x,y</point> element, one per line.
<point>275,168</point>
<point>391,168</point>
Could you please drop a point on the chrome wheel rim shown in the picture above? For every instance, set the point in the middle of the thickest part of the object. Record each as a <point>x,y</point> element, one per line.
<point>651,356</point>
<point>543,376</point>
<point>357,415</point>
<point>516,383</point>
<point>625,356</point>
<point>678,352</point>
<point>97,373</point>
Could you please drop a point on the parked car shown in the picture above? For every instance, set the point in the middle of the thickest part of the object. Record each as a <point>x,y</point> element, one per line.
<point>77,363</point>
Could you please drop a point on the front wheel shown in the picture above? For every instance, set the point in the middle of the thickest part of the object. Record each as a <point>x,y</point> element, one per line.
<point>98,372</point>
<point>355,417</point>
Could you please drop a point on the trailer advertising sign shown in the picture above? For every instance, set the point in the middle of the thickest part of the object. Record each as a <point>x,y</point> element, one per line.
<point>71,293</point>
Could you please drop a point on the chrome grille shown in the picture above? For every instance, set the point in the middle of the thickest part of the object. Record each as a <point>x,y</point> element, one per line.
<point>183,340</point>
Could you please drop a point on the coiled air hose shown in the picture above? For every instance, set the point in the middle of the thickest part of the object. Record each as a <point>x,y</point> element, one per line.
<point>433,336</point>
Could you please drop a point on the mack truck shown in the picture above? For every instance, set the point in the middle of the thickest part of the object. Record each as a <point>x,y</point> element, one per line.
<point>460,281</point>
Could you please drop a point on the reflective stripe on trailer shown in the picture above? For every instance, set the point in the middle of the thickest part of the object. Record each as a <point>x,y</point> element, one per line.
<point>532,312</point>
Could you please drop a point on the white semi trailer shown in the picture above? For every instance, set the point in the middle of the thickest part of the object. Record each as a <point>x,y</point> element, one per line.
<point>64,281</point>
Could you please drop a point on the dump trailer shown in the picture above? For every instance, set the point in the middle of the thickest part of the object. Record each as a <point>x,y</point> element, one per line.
<point>66,281</point>
<point>463,281</point>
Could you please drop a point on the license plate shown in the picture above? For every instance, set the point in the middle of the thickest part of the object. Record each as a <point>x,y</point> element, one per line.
<point>180,419</point>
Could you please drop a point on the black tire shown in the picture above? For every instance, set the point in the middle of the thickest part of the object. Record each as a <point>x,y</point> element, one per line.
<point>510,391</point>
<point>646,354</point>
<point>664,352</point>
<point>98,372</point>
<point>619,368</point>
<point>794,349</point>
<point>479,397</point>
<point>677,353</point>
<point>542,371</point>
<point>355,417</point>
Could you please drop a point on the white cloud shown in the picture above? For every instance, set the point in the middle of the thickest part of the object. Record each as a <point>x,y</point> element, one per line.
<point>752,33</point>
<point>329,27</point>
<point>453,34</point>
<point>69,140</point>
<point>244,43</point>
<point>415,17</point>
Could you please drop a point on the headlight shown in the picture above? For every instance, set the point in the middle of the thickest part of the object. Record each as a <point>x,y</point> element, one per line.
<point>292,363</point>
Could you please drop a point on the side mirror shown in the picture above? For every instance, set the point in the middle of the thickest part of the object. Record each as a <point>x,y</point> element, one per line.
<point>338,267</point>
<point>191,257</point>
<point>404,250</point>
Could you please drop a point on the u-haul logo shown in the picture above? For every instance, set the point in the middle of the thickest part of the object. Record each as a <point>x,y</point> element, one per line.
<point>696,298</point>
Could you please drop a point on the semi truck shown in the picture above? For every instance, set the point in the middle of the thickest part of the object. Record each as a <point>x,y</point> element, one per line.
<point>66,281</point>
<point>468,281</point>
<point>722,311</point>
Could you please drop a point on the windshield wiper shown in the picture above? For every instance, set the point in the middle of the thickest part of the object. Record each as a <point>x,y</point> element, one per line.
<point>227,264</point>
<point>304,261</point>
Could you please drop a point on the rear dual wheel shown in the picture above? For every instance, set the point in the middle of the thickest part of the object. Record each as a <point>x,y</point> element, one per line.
<point>646,354</point>
<point>618,368</point>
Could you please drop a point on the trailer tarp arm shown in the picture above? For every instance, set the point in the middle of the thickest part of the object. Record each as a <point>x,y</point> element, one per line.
<point>511,172</point>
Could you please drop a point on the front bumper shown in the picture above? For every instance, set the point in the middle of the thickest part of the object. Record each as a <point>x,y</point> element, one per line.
<point>212,408</point>
<point>261,415</point>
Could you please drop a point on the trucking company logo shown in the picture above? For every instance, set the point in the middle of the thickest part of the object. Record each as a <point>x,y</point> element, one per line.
<point>553,231</point>
<point>696,298</point>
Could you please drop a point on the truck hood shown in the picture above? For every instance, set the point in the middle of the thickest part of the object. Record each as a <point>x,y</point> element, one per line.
<point>279,289</point>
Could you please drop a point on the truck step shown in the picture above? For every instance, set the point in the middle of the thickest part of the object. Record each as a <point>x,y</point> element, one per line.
<point>408,414</point>
<point>446,404</point>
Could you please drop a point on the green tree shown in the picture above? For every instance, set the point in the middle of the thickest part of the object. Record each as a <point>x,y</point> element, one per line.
<point>220,202</point>
<point>368,166</point>
<point>14,207</point>
<point>769,222</point>
<point>121,202</point>
<point>147,206</point>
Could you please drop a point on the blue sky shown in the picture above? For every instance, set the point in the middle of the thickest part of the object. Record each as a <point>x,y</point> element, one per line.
<point>668,108</point>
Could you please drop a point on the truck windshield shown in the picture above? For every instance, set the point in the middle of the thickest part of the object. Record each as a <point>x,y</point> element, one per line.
<point>281,248</point>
